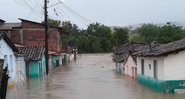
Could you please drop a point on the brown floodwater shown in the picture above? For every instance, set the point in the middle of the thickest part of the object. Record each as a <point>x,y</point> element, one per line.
<point>92,76</point>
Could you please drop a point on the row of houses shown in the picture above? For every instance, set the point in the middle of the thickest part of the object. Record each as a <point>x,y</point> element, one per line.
<point>159,66</point>
<point>22,48</point>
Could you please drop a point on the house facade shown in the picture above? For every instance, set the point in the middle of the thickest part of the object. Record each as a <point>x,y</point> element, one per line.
<point>34,60</point>
<point>20,68</point>
<point>130,67</point>
<point>163,67</point>
<point>120,61</point>
<point>30,33</point>
<point>7,50</point>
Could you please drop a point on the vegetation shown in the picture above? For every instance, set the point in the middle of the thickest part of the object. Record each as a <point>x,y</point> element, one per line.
<point>53,22</point>
<point>99,38</point>
<point>164,34</point>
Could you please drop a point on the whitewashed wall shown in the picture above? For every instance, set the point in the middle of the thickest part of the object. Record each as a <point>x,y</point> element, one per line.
<point>174,66</point>
<point>5,49</point>
<point>150,72</point>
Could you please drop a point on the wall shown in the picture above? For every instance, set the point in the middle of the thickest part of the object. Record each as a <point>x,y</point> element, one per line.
<point>50,62</point>
<point>43,65</point>
<point>68,58</point>
<point>119,67</point>
<point>32,34</point>
<point>129,65</point>
<point>174,66</point>
<point>34,69</point>
<point>60,59</point>
<point>7,50</point>
<point>72,56</point>
<point>150,72</point>
<point>170,72</point>
<point>54,58</point>
<point>24,68</point>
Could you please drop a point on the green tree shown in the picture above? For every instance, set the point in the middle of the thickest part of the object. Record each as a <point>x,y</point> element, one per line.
<point>148,32</point>
<point>120,36</point>
<point>73,30</point>
<point>53,22</point>
<point>103,36</point>
<point>169,33</point>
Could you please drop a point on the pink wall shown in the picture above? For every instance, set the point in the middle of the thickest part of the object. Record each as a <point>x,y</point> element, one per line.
<point>130,67</point>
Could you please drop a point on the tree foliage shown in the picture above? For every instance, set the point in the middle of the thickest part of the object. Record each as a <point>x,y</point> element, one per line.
<point>165,34</point>
<point>53,22</point>
<point>121,35</point>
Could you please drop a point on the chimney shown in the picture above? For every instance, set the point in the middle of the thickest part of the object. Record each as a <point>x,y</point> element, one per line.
<point>1,22</point>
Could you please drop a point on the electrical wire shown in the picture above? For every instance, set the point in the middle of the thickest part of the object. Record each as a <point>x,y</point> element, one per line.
<point>78,14</point>
<point>31,11</point>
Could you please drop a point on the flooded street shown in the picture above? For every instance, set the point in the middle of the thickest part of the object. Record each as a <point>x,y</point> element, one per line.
<point>92,76</point>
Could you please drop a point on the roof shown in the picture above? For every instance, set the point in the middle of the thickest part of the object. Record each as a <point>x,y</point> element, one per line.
<point>2,20</point>
<point>127,48</point>
<point>163,49</point>
<point>60,28</point>
<point>53,53</point>
<point>9,26</point>
<point>8,41</point>
<point>18,45</point>
<point>32,53</point>
<point>120,58</point>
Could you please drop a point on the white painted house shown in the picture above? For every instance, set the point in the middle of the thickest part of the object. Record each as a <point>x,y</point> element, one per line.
<point>163,67</point>
<point>7,50</point>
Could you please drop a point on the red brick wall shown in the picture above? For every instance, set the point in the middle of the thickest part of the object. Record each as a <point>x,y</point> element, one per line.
<point>31,25</point>
<point>37,37</point>
<point>15,36</point>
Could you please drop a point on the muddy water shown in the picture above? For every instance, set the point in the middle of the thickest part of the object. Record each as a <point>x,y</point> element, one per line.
<point>92,76</point>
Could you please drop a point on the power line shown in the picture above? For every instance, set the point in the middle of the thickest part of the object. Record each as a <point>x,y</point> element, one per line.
<point>78,14</point>
<point>63,12</point>
<point>31,11</point>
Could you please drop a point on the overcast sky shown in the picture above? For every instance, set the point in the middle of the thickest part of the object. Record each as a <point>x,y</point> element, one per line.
<point>107,12</point>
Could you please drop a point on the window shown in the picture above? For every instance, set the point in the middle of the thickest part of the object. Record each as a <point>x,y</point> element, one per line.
<point>155,68</point>
<point>149,66</point>
<point>142,66</point>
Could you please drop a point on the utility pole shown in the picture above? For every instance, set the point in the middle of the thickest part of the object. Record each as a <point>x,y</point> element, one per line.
<point>46,36</point>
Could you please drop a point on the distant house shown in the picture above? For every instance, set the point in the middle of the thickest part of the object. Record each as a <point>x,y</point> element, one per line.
<point>162,67</point>
<point>30,33</point>
<point>120,60</point>
<point>35,60</point>
<point>7,50</point>
<point>130,66</point>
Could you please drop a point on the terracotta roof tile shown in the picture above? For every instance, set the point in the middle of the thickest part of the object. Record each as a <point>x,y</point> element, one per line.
<point>32,53</point>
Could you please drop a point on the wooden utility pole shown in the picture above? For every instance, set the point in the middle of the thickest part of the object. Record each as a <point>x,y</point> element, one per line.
<point>46,36</point>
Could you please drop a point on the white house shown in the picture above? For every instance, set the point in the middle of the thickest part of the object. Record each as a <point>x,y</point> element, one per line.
<point>7,49</point>
<point>163,67</point>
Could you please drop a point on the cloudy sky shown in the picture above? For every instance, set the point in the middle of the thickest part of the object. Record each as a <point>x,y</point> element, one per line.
<point>107,12</point>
